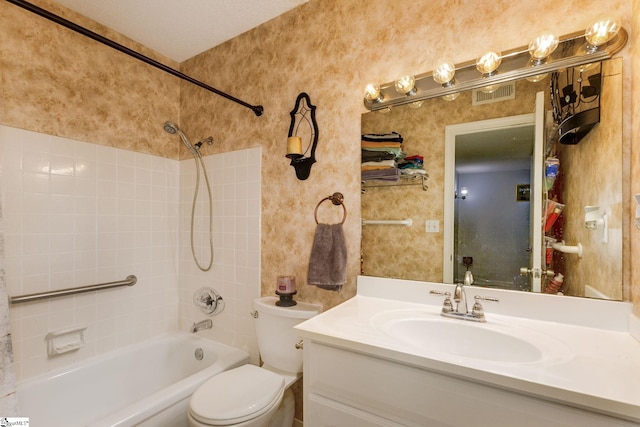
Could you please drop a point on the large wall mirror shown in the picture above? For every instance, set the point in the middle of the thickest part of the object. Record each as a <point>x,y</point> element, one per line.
<point>486,205</point>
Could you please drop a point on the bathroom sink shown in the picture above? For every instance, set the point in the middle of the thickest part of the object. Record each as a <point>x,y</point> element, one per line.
<point>430,333</point>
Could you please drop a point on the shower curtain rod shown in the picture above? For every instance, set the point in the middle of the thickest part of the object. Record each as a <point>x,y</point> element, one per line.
<point>257,109</point>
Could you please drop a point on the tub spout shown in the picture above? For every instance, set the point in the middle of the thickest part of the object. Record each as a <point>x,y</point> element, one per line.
<point>203,324</point>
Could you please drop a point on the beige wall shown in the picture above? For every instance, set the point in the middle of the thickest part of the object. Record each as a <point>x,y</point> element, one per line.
<point>635,152</point>
<point>57,82</point>
<point>580,189</point>
<point>331,49</point>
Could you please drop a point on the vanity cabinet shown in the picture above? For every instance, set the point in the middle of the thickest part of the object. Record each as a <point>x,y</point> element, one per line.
<point>347,387</point>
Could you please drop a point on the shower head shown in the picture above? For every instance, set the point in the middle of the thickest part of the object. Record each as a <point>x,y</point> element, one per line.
<point>173,129</point>
<point>170,128</point>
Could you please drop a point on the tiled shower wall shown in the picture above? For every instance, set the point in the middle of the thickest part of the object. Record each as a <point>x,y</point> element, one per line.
<point>77,213</point>
<point>235,274</point>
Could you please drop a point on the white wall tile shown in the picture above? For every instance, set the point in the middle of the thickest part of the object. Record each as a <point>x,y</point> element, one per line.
<point>76,220</point>
<point>82,213</point>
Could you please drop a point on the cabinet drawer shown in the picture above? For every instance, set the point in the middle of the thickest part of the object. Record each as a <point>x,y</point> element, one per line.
<point>322,412</point>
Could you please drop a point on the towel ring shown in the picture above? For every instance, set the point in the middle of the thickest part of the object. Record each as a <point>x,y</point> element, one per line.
<point>336,199</point>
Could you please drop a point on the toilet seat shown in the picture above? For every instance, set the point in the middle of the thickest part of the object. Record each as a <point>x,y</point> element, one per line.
<point>235,396</point>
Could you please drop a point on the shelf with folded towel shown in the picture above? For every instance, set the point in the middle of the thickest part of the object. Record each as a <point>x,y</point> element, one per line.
<point>403,180</point>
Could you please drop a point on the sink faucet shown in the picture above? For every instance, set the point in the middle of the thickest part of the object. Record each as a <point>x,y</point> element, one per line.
<point>461,310</point>
<point>203,324</point>
<point>459,294</point>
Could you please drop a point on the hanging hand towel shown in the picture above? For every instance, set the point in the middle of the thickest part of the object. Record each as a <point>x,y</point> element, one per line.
<point>328,260</point>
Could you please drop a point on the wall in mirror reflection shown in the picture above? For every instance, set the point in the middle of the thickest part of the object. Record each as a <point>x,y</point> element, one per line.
<point>592,175</point>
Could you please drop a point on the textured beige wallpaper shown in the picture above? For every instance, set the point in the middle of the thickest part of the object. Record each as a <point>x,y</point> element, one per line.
<point>331,49</point>
<point>601,150</point>
<point>60,83</point>
<point>56,81</point>
<point>633,110</point>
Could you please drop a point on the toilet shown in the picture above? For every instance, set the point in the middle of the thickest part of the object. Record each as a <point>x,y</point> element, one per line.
<point>252,396</point>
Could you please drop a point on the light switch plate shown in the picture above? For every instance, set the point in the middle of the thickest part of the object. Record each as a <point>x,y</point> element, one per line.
<point>432,226</point>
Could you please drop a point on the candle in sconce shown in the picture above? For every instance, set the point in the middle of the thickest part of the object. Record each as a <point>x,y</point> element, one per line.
<point>294,145</point>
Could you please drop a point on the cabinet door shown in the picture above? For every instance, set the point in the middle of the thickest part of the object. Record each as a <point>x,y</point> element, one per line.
<point>345,388</point>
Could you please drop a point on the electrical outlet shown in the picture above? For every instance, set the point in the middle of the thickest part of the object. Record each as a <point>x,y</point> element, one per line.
<point>432,226</point>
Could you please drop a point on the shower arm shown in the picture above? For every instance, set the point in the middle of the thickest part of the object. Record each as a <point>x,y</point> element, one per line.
<point>257,109</point>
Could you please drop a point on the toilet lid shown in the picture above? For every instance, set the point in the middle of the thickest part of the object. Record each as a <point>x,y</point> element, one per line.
<point>236,395</point>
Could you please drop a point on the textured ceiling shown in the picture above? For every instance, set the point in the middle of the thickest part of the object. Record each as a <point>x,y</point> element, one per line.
<point>181,29</point>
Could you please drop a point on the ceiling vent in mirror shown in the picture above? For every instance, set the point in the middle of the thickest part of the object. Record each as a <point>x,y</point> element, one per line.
<point>501,93</point>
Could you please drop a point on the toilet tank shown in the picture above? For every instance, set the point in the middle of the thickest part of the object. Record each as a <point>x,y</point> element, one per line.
<point>276,337</point>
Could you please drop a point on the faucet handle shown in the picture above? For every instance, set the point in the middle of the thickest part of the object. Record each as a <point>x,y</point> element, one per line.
<point>492,299</point>
<point>447,306</point>
<point>477,310</point>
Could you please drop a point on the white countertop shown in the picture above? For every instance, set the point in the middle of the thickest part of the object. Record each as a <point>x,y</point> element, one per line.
<point>593,365</point>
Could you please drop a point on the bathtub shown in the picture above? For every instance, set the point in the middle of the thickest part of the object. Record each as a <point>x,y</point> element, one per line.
<point>146,384</point>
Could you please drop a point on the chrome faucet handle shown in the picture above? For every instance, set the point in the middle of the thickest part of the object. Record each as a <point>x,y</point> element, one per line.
<point>447,306</point>
<point>477,310</point>
<point>491,299</point>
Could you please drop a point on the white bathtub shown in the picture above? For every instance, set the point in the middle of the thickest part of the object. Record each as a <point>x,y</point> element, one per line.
<point>146,384</point>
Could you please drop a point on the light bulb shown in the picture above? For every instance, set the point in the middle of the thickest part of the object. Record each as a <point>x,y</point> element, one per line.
<point>542,46</point>
<point>601,31</point>
<point>444,73</point>
<point>451,96</point>
<point>372,92</point>
<point>406,84</point>
<point>489,89</point>
<point>488,63</point>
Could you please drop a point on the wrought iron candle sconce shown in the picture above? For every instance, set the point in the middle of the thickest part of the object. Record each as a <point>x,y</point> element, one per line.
<point>302,114</point>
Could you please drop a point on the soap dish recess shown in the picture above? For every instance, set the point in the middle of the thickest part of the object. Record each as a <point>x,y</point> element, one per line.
<point>65,340</point>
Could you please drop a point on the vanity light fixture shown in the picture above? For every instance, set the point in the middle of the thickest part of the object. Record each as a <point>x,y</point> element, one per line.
<point>406,85</point>
<point>541,47</point>
<point>601,32</point>
<point>451,96</point>
<point>488,63</point>
<point>372,92</point>
<point>444,73</point>
<point>489,89</point>
<point>599,43</point>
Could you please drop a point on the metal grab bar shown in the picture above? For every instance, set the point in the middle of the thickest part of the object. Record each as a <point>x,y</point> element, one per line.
<point>408,222</point>
<point>129,281</point>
